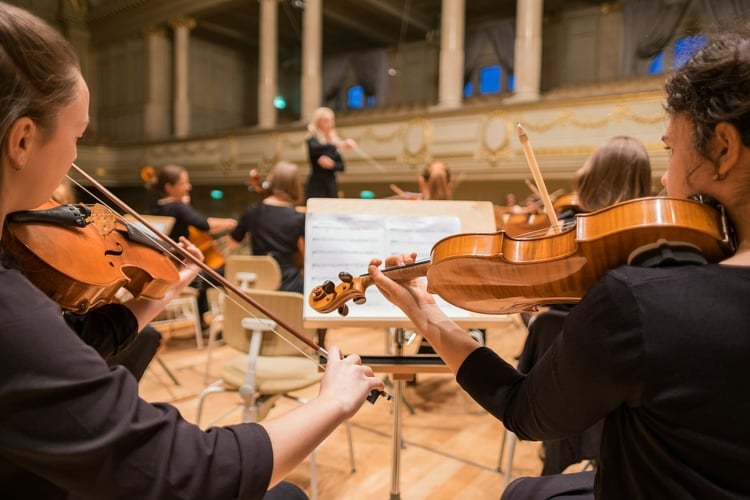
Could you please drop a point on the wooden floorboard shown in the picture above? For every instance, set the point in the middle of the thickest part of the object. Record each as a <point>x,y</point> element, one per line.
<point>450,445</point>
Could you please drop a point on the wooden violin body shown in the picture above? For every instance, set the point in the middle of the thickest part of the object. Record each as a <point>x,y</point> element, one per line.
<point>82,267</point>
<point>498,274</point>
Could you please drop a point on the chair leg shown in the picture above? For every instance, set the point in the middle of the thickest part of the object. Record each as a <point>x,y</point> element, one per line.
<point>351,445</point>
<point>511,451</point>
<point>313,477</point>
<point>167,370</point>
<point>211,389</point>
<point>216,326</point>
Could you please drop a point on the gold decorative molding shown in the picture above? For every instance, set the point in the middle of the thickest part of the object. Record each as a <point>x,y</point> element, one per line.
<point>494,137</point>
<point>417,136</point>
<point>620,113</point>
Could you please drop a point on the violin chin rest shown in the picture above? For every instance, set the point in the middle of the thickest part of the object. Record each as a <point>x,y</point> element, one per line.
<point>667,253</point>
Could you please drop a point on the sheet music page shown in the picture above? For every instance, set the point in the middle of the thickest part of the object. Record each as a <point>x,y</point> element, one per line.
<point>346,242</point>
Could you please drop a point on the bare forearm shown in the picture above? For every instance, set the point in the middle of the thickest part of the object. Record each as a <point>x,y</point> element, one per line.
<point>297,433</point>
<point>451,342</point>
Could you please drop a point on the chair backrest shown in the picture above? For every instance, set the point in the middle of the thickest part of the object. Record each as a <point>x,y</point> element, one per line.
<point>284,305</point>
<point>264,266</point>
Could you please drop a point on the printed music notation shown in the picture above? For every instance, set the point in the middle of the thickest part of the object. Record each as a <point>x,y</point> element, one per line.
<point>346,242</point>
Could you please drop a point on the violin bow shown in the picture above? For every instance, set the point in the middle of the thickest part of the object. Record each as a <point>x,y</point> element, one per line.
<point>538,180</point>
<point>369,159</point>
<point>320,351</point>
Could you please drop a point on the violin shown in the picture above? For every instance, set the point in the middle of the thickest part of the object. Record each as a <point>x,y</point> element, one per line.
<point>497,273</point>
<point>567,201</point>
<point>81,255</point>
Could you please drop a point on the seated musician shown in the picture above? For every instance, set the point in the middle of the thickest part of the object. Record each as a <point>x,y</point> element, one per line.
<point>659,353</point>
<point>617,171</point>
<point>72,427</point>
<point>171,183</point>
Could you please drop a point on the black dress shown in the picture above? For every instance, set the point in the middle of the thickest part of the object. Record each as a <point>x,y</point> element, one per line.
<point>322,181</point>
<point>275,230</point>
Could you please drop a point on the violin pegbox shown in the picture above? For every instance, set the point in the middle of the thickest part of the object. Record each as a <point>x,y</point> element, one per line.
<point>328,297</point>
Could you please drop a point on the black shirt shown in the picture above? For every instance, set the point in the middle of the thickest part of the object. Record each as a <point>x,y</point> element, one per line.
<point>70,425</point>
<point>662,354</point>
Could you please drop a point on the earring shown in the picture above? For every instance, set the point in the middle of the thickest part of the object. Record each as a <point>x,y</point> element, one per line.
<point>718,177</point>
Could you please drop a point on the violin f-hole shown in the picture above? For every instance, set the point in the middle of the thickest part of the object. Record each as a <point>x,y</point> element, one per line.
<point>117,251</point>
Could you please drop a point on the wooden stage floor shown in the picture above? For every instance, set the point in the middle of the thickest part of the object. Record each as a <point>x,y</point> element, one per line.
<point>450,446</point>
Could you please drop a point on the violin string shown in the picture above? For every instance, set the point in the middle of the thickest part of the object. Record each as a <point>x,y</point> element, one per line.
<point>225,296</point>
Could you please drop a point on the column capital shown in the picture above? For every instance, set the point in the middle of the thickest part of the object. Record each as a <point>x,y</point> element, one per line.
<point>182,22</point>
<point>153,30</point>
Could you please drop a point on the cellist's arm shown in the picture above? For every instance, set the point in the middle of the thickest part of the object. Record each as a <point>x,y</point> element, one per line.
<point>450,341</point>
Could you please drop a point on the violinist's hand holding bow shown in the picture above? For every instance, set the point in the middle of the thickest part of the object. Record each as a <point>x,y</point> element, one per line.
<point>347,382</point>
<point>450,341</point>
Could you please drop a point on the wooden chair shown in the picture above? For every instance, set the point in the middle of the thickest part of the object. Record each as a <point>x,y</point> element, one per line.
<point>266,269</point>
<point>260,272</point>
<point>267,367</point>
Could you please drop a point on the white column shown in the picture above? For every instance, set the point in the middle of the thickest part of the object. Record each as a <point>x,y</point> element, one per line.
<point>312,56</point>
<point>182,27</point>
<point>156,108</point>
<point>528,50</point>
<point>451,76</point>
<point>268,65</point>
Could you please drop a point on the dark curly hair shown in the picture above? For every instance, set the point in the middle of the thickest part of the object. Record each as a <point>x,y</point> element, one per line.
<point>714,86</point>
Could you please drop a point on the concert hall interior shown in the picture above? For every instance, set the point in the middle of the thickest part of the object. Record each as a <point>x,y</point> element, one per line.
<point>224,87</point>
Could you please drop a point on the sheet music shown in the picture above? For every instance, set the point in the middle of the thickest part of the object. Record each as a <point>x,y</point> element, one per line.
<point>346,242</point>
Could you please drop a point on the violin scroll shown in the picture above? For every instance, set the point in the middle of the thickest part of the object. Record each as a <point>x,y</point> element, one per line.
<point>328,297</point>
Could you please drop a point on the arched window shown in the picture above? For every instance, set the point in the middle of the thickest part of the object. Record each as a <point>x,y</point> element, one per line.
<point>679,53</point>
<point>489,80</point>
<point>356,98</point>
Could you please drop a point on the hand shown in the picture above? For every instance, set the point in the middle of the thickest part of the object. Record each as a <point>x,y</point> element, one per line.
<point>347,381</point>
<point>326,162</point>
<point>410,296</point>
<point>348,144</point>
<point>193,250</point>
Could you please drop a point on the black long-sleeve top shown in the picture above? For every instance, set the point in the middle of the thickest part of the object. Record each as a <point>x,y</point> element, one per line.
<point>184,217</point>
<point>322,181</point>
<point>274,230</point>
<point>72,427</point>
<point>662,354</point>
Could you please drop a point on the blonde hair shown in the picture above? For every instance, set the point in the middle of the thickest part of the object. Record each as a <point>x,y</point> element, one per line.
<point>619,170</point>
<point>435,182</point>
<point>313,130</point>
<point>285,181</point>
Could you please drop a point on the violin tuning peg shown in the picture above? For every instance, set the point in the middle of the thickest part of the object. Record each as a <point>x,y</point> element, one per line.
<point>328,287</point>
<point>344,310</point>
<point>360,300</point>
<point>346,277</point>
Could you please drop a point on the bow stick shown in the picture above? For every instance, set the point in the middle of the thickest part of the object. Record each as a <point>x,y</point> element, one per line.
<point>320,351</point>
<point>543,193</point>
